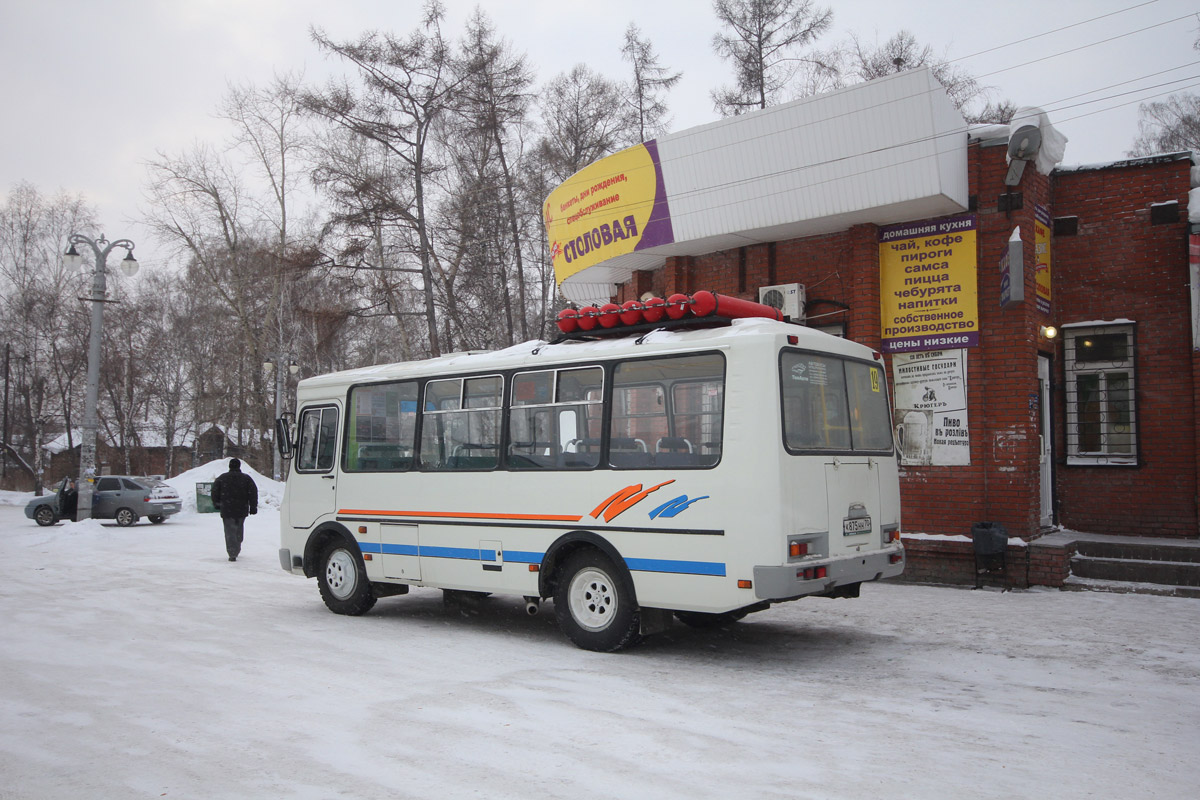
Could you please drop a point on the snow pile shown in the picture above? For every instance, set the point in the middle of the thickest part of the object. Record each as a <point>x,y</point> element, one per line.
<point>8,498</point>
<point>270,492</point>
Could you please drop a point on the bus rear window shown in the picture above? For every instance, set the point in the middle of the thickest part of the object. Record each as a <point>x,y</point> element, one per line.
<point>832,404</point>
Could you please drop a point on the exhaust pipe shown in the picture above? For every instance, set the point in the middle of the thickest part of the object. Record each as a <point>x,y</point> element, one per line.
<point>532,605</point>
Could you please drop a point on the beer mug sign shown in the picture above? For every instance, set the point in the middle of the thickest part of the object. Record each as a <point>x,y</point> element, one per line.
<point>915,435</point>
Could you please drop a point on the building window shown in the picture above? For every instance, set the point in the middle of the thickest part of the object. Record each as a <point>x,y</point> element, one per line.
<point>1101,401</point>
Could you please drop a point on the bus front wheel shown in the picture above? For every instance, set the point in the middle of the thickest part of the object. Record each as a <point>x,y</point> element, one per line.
<point>594,603</point>
<point>343,581</point>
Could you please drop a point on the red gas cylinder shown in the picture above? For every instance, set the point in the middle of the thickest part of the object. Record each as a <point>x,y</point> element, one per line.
<point>631,312</point>
<point>587,318</point>
<point>609,315</point>
<point>706,303</point>
<point>654,310</point>
<point>678,306</point>
<point>568,320</point>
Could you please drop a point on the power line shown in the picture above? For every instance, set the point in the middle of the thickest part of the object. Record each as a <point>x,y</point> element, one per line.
<point>1085,46</point>
<point>1055,30</point>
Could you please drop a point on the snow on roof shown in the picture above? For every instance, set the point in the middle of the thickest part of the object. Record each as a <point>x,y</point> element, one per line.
<point>1141,161</point>
<point>537,352</point>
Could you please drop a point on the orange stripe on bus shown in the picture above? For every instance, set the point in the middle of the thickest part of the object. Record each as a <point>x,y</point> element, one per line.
<point>463,515</point>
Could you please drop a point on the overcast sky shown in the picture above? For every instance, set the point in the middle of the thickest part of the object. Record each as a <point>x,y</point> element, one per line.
<point>91,89</point>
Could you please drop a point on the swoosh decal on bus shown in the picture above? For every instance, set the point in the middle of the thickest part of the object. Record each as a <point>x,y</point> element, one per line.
<point>463,515</point>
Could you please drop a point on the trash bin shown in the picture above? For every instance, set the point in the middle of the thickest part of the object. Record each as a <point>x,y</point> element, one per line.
<point>204,503</point>
<point>990,538</point>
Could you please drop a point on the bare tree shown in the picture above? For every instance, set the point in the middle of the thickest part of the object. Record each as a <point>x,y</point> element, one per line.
<point>650,80</point>
<point>492,110</point>
<point>902,52</point>
<point>43,323</point>
<point>1168,125</point>
<point>579,123</point>
<point>407,86</point>
<point>764,40</point>
<point>999,113</point>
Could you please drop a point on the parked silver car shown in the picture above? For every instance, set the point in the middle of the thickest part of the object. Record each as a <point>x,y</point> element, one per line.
<point>123,498</point>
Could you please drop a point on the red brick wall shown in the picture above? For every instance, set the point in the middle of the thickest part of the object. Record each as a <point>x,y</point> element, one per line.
<point>1118,266</point>
<point>1121,266</point>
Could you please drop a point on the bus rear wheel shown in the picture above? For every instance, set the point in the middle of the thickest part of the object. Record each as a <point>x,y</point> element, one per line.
<point>343,582</point>
<point>594,603</point>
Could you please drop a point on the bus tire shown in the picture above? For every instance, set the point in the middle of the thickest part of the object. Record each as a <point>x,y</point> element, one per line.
<point>343,582</point>
<point>702,620</point>
<point>594,603</point>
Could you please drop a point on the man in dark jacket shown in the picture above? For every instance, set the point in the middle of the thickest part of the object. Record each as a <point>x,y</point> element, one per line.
<point>234,495</point>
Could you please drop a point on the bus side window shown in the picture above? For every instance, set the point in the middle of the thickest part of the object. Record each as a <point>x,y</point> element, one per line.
<point>668,412</point>
<point>553,413</point>
<point>380,432</point>
<point>461,429</point>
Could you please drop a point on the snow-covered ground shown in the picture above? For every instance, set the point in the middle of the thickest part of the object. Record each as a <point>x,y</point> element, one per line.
<point>139,662</point>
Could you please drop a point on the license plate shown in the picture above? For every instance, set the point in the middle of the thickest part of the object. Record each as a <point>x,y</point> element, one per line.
<point>170,508</point>
<point>853,527</point>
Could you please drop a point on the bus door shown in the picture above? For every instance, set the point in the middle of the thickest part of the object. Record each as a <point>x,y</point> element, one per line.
<point>312,485</point>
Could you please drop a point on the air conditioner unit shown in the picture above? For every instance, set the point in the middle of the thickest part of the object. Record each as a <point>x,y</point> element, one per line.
<point>787,297</point>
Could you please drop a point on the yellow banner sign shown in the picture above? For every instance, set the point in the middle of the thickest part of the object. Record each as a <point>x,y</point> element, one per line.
<point>1041,244</point>
<point>928,293</point>
<point>610,208</point>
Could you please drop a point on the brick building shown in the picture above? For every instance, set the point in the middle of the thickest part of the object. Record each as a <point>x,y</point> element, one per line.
<point>1093,429</point>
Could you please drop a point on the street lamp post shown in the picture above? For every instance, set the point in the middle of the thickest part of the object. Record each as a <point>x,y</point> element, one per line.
<point>276,363</point>
<point>91,422</point>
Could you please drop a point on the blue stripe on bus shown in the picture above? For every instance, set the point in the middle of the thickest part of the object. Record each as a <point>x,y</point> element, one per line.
<point>530,557</point>
<point>680,567</point>
<point>523,557</point>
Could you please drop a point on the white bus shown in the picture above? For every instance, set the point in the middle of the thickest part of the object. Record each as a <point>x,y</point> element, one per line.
<point>699,474</point>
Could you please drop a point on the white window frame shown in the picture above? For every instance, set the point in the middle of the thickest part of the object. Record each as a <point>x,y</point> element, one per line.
<point>1074,337</point>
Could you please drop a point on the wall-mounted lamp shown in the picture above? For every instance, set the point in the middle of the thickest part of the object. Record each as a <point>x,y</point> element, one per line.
<point>1049,331</point>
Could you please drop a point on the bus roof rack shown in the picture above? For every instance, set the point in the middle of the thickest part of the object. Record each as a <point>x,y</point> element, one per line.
<point>702,309</point>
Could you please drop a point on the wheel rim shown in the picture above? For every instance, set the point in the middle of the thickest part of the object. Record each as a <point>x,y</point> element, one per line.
<point>341,574</point>
<point>592,598</point>
<point>45,515</point>
<point>124,517</point>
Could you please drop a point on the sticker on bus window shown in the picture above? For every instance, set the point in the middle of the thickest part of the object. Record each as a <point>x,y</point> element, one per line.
<point>875,381</point>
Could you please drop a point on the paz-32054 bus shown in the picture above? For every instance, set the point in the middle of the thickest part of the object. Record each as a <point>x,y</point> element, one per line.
<point>699,474</point>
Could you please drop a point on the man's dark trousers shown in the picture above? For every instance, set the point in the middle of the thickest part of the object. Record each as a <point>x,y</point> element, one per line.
<point>233,535</point>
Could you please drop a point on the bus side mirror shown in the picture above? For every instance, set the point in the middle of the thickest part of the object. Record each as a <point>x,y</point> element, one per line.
<point>283,435</point>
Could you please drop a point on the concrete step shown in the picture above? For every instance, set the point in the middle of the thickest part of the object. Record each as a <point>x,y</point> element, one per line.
<point>1077,584</point>
<point>1126,548</point>
<point>1136,570</point>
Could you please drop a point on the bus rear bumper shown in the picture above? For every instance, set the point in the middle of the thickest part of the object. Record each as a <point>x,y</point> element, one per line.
<point>788,581</point>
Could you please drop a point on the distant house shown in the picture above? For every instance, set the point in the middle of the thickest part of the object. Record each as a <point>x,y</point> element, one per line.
<point>151,457</point>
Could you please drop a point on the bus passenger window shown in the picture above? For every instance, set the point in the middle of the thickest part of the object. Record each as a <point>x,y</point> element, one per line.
<point>461,429</point>
<point>553,413</point>
<point>381,430</point>
<point>668,412</point>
